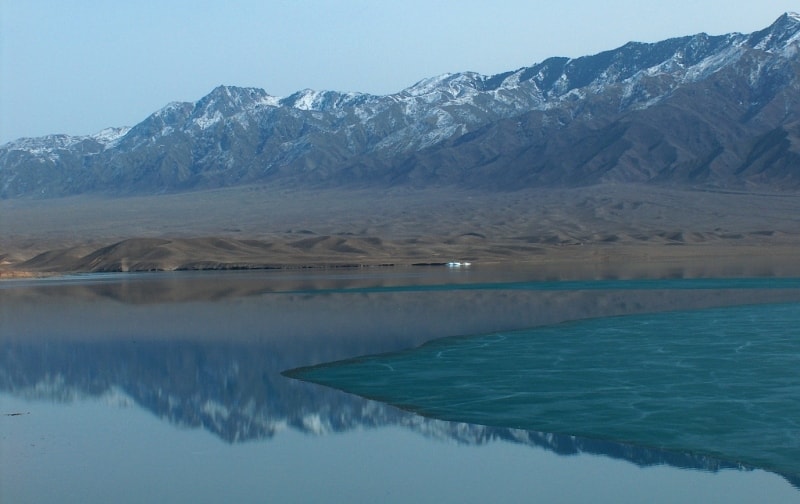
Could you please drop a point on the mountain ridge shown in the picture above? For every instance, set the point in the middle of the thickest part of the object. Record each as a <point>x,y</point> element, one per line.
<point>237,135</point>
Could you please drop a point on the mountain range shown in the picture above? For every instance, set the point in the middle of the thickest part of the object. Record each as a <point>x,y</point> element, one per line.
<point>704,111</point>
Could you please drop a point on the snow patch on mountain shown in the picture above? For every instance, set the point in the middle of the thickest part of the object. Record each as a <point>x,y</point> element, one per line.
<point>109,137</point>
<point>270,101</point>
<point>208,119</point>
<point>280,131</point>
<point>713,63</point>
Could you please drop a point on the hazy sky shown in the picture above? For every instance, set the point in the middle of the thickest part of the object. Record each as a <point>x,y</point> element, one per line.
<point>78,66</point>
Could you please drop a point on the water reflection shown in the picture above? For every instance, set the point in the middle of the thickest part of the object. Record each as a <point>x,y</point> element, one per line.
<point>707,381</point>
<point>237,393</point>
<point>208,351</point>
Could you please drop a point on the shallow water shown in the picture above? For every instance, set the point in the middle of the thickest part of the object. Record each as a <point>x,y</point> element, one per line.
<point>721,382</point>
<point>170,387</point>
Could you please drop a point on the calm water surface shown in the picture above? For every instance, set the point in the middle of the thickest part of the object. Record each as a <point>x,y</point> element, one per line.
<point>172,387</point>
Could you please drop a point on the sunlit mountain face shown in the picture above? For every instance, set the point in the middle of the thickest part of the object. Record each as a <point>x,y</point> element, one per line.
<point>709,111</point>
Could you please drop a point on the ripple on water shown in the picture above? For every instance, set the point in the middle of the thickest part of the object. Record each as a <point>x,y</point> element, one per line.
<point>721,382</point>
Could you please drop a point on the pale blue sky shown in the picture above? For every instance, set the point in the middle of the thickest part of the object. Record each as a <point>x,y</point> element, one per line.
<point>78,66</point>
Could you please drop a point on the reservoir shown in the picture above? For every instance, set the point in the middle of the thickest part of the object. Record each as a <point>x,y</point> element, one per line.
<point>429,384</point>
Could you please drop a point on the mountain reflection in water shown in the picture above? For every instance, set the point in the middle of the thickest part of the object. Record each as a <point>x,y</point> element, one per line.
<point>238,394</point>
<point>208,352</point>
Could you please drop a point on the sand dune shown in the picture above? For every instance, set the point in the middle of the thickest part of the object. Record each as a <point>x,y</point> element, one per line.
<point>262,227</point>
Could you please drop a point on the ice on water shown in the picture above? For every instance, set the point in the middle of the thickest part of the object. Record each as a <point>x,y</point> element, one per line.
<point>720,382</point>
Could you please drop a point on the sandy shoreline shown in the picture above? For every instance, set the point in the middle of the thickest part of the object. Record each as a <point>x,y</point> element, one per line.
<point>581,261</point>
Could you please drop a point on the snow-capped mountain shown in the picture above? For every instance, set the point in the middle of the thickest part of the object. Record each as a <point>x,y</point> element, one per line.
<point>701,110</point>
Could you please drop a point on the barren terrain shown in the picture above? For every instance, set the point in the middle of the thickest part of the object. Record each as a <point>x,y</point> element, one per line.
<point>592,230</point>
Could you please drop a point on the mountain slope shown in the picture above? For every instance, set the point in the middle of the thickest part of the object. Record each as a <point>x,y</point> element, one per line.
<point>716,111</point>
<point>735,129</point>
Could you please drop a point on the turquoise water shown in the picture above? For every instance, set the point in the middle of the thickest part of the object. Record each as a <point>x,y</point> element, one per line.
<point>723,382</point>
<point>170,387</point>
<point>575,285</point>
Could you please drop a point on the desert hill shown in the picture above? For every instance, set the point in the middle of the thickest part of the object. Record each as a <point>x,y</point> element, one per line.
<point>588,229</point>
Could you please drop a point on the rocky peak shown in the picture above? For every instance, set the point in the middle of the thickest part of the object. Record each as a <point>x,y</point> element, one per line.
<point>778,36</point>
<point>230,99</point>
